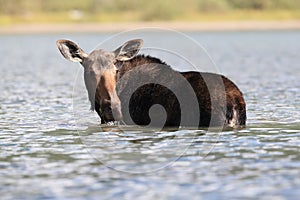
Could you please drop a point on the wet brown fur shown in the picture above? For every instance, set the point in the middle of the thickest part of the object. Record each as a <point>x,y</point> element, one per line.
<point>224,102</point>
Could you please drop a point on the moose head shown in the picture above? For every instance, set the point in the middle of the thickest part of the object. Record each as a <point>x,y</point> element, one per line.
<point>100,74</point>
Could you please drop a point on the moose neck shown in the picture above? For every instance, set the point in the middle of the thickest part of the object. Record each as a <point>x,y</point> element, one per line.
<point>139,60</point>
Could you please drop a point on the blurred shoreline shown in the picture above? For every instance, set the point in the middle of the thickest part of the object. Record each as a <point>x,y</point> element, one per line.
<point>179,26</point>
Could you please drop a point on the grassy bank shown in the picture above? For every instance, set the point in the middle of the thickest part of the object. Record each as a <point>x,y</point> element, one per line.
<point>81,11</point>
<point>70,17</point>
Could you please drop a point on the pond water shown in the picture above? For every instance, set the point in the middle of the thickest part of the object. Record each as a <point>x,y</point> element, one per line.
<point>47,151</point>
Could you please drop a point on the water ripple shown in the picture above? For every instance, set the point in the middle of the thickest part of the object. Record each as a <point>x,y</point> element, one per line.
<point>47,151</point>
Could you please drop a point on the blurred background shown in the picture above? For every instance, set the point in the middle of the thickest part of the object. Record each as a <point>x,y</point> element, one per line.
<point>74,11</point>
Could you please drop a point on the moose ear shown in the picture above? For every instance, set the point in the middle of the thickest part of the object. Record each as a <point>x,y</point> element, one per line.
<point>128,50</point>
<point>71,51</point>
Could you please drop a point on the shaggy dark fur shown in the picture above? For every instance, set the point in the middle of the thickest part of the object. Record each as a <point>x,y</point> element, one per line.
<point>220,102</point>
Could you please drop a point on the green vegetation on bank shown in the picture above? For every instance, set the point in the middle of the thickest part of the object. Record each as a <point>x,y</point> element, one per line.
<point>68,11</point>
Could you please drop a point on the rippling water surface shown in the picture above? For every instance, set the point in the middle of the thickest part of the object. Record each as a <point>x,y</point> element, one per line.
<point>48,151</point>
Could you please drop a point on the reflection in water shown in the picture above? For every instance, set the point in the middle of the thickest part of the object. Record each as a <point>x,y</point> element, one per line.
<point>145,149</point>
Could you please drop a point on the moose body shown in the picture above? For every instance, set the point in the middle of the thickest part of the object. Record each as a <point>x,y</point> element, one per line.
<point>125,86</point>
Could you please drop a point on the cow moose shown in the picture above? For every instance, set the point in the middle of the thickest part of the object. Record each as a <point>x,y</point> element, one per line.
<point>110,77</point>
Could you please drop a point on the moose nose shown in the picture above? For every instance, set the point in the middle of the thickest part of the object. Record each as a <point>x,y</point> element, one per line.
<point>116,111</point>
<point>117,115</point>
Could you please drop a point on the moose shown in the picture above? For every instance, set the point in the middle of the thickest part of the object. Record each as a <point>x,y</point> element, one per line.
<point>112,80</point>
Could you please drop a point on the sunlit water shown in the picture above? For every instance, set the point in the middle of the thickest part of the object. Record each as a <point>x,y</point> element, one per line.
<point>47,151</point>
